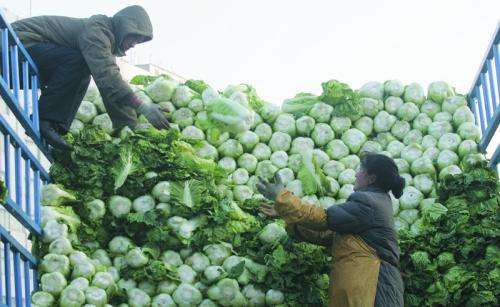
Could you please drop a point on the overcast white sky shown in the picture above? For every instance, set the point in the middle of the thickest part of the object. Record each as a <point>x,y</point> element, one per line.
<point>283,47</point>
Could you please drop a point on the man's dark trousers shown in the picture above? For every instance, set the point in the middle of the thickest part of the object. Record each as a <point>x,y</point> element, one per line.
<point>64,77</point>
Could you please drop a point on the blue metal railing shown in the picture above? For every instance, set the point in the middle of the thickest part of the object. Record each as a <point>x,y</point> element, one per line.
<point>14,57</point>
<point>484,96</point>
<point>24,174</point>
<point>21,264</point>
<point>23,199</point>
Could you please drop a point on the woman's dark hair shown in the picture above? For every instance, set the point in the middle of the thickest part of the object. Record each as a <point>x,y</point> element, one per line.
<point>385,171</point>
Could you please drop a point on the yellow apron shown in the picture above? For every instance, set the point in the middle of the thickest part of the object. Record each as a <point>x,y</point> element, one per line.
<point>354,274</point>
<point>355,265</point>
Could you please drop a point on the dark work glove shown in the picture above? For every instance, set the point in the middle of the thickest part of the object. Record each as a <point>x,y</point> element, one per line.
<point>154,114</point>
<point>52,136</point>
<point>270,190</point>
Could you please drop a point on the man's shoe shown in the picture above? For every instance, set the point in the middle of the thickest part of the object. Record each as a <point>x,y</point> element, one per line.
<point>52,136</point>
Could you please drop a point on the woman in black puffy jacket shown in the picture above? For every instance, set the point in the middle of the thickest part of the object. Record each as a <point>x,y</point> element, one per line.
<point>360,233</point>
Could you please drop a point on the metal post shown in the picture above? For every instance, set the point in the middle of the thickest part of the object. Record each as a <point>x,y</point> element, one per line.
<point>17,279</point>
<point>34,101</point>
<point>15,71</point>
<point>27,187</point>
<point>6,253</point>
<point>27,282</point>
<point>482,123</point>
<point>6,149</point>
<point>496,58</point>
<point>26,82</point>
<point>487,98</point>
<point>5,56</point>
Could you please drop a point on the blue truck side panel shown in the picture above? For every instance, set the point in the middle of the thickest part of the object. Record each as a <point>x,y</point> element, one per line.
<point>484,96</point>
<point>13,56</point>
<point>24,174</point>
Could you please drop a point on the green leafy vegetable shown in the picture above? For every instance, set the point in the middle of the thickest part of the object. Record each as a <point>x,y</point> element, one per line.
<point>197,85</point>
<point>344,100</point>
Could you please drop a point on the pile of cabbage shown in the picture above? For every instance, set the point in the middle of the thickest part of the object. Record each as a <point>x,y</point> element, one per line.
<point>454,259</point>
<point>140,274</point>
<point>312,142</point>
<point>143,208</point>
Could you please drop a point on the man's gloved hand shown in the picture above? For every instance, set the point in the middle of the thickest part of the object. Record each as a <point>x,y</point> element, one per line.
<point>270,190</point>
<point>51,134</point>
<point>154,114</point>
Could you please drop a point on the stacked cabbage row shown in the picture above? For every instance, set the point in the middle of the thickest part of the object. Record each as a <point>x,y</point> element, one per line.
<point>312,143</point>
<point>70,277</point>
<point>427,135</point>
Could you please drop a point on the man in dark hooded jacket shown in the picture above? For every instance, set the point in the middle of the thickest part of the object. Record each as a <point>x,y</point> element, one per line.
<point>69,50</point>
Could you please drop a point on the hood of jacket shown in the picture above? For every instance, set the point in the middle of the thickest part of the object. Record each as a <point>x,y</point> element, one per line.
<point>131,20</point>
